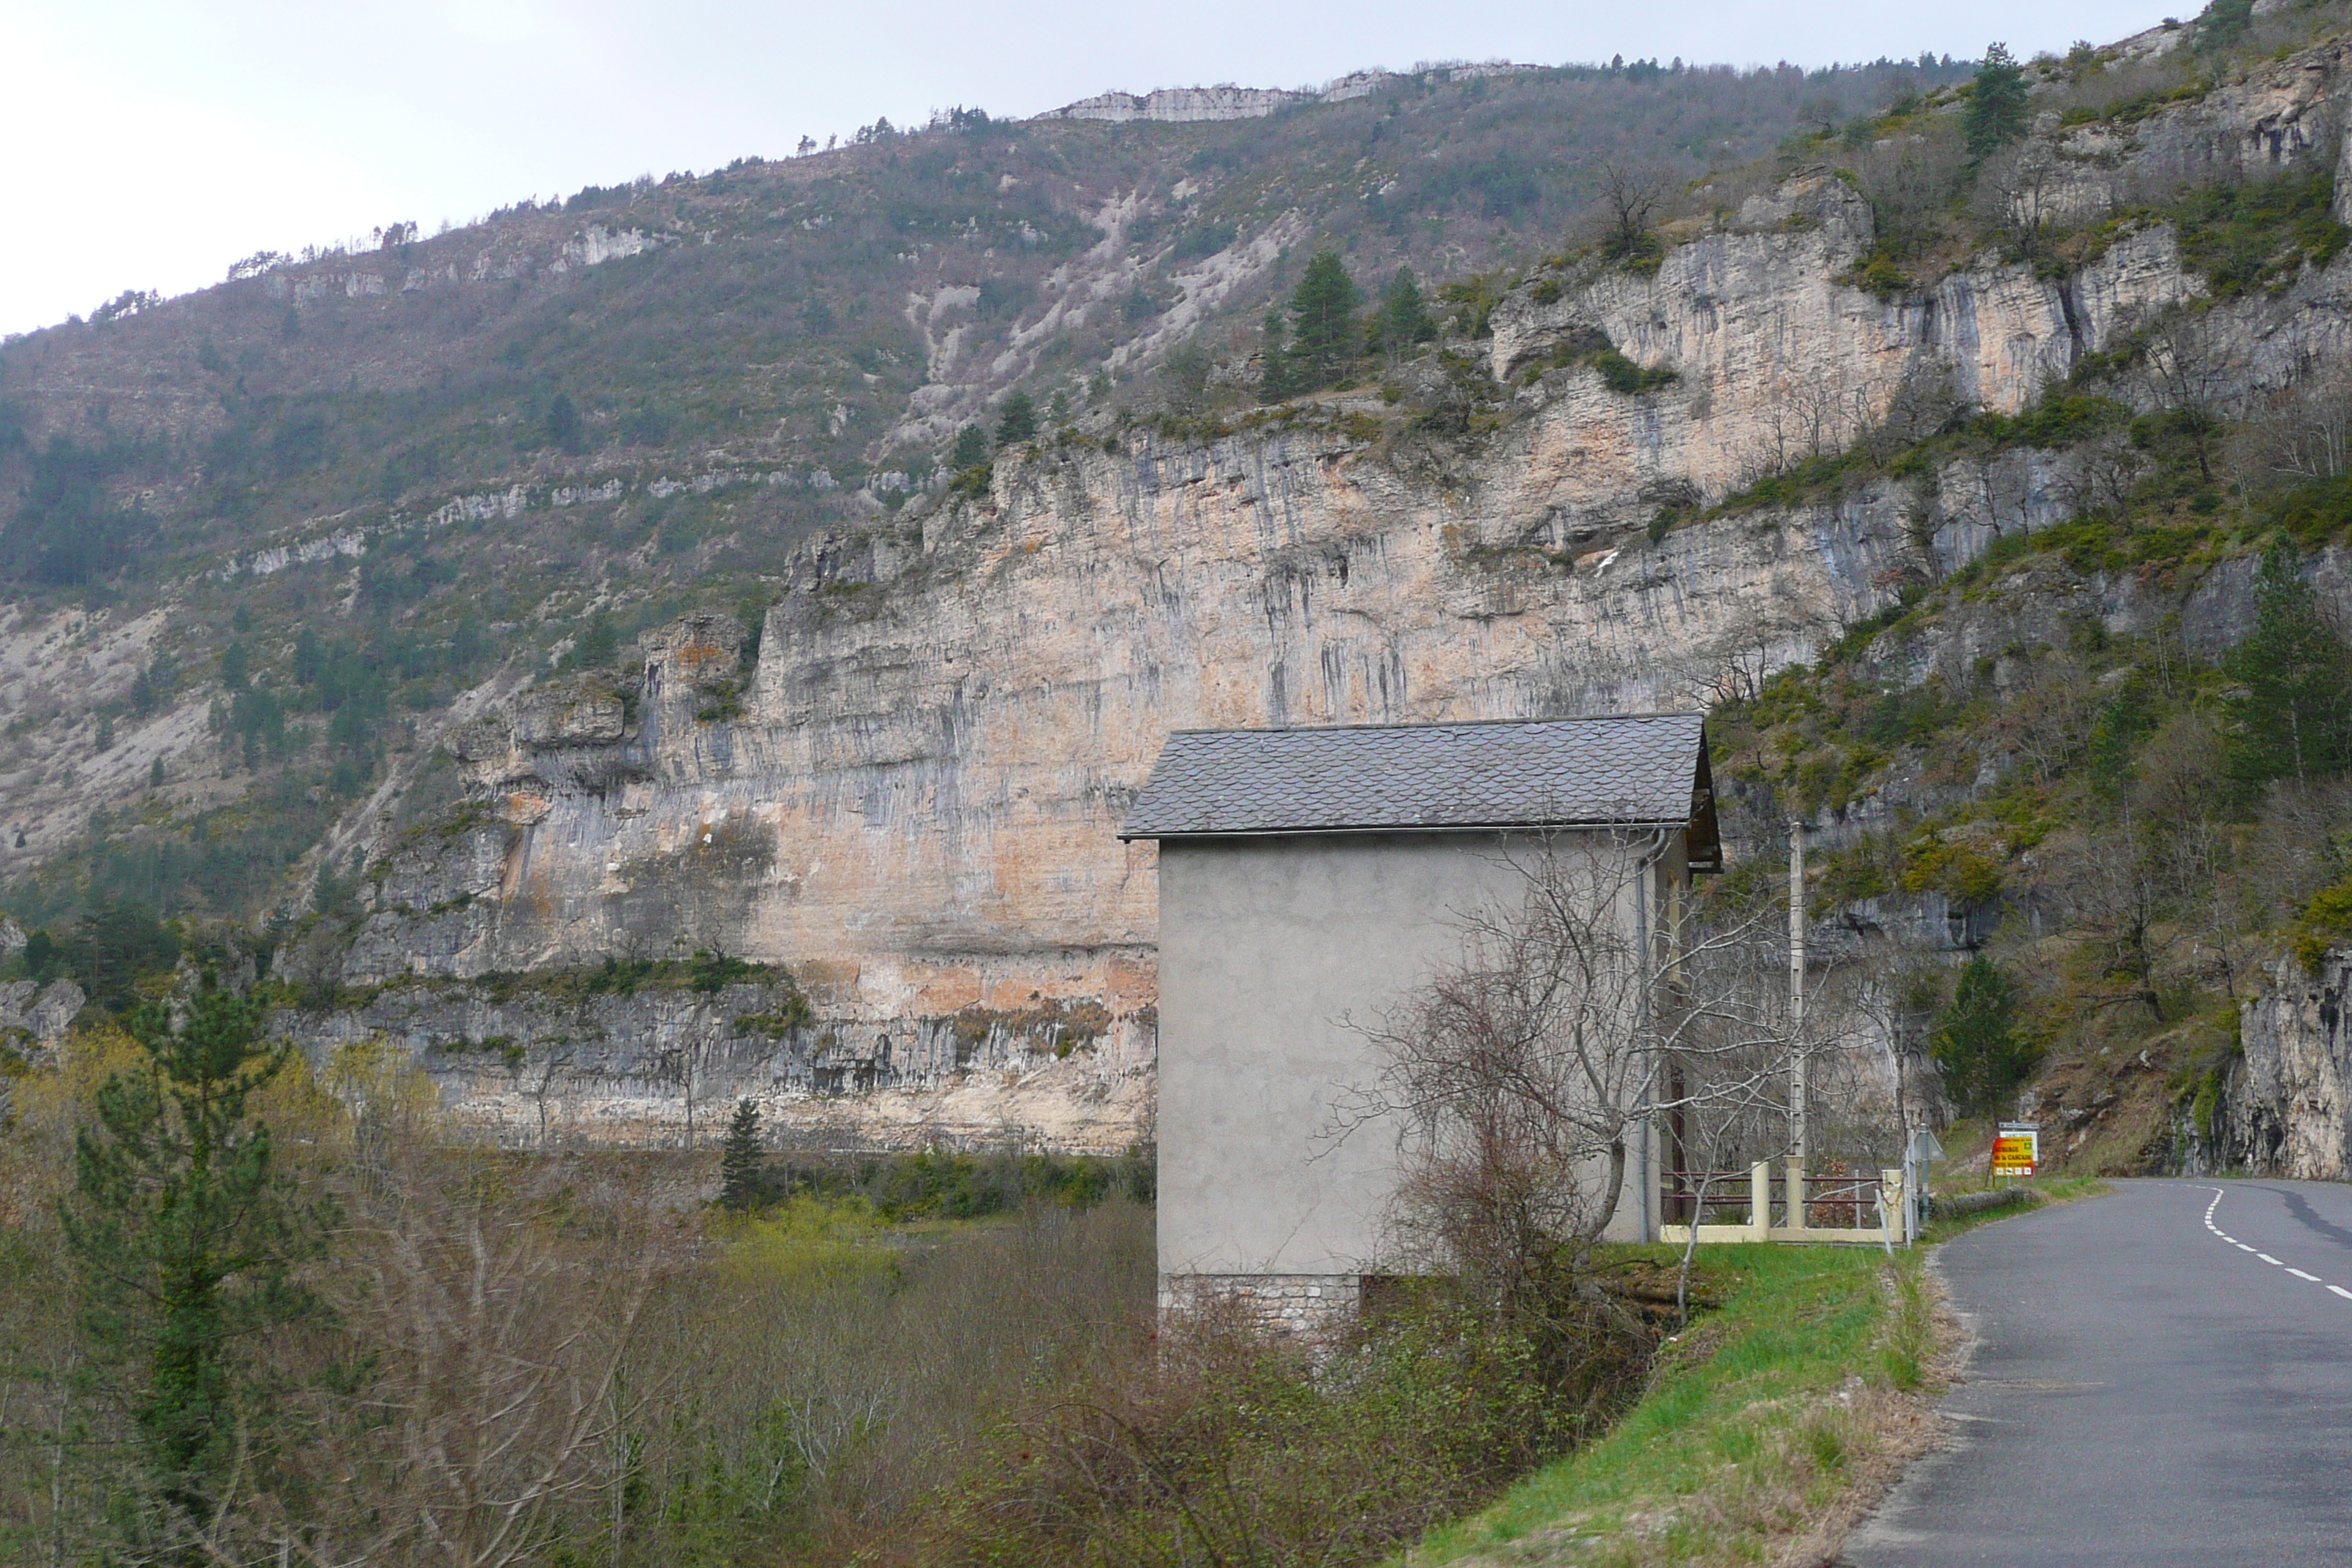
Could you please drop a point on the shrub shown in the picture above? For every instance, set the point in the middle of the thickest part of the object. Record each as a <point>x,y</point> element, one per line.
<point>1204,238</point>
<point>1621,375</point>
<point>2261,234</point>
<point>938,1185</point>
<point>1231,1450</point>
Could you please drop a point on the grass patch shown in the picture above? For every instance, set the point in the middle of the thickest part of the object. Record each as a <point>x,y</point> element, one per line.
<point>1760,1423</point>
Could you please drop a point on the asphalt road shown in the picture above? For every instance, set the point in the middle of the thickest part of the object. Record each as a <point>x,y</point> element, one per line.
<point>2153,1384</point>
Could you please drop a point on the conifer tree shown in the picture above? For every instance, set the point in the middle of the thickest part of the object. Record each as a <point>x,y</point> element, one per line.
<point>1404,318</point>
<point>1975,1041</point>
<point>565,427</point>
<point>739,1159</point>
<point>1016,419</point>
<point>1996,112</point>
<point>970,448</point>
<point>2292,718</point>
<point>598,643</point>
<point>1323,321</point>
<point>187,1237</point>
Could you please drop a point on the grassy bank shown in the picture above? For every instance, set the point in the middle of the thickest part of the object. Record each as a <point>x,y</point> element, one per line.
<point>1767,1427</point>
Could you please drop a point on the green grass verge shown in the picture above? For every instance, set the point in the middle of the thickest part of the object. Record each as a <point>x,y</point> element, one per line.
<point>1759,1419</point>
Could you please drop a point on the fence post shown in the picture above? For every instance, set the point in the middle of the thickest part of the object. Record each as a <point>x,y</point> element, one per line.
<point>1797,1192</point>
<point>1895,1207</point>
<point>1759,1201</point>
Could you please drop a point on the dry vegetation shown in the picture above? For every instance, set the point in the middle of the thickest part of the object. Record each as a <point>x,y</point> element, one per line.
<point>421,1351</point>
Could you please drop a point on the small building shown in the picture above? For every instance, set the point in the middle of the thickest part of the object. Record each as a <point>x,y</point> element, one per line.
<point>1309,880</point>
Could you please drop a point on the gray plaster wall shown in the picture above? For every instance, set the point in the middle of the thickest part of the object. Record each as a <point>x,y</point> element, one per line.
<point>1268,948</point>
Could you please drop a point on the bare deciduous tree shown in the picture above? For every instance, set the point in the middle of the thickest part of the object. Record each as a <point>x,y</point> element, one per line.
<point>2102,475</point>
<point>1524,1072</point>
<point>495,1303</point>
<point>2309,433</point>
<point>2017,192</point>
<point>1910,181</point>
<point>1631,196</point>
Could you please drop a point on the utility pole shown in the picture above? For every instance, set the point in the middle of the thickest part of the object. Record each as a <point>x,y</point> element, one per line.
<point>1796,1024</point>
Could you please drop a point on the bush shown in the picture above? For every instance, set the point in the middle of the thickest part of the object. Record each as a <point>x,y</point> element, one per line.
<point>1230,1450</point>
<point>1204,238</point>
<point>2260,235</point>
<point>1621,375</point>
<point>938,1186</point>
<point>2060,419</point>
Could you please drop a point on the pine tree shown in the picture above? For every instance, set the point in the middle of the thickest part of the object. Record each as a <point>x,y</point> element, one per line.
<point>1016,419</point>
<point>565,428</point>
<point>739,1159</point>
<point>2293,719</point>
<point>1323,321</point>
<point>970,448</point>
<point>1975,1040</point>
<point>598,645</point>
<point>1404,318</point>
<point>1996,111</point>
<point>185,1237</point>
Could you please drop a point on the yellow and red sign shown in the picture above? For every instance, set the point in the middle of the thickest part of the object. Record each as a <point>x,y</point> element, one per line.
<point>2016,1149</point>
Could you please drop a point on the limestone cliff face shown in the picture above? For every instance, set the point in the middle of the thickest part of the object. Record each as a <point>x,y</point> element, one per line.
<point>910,796</point>
<point>2286,1107</point>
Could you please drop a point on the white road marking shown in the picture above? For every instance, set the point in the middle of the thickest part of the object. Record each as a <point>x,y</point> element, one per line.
<point>2216,1230</point>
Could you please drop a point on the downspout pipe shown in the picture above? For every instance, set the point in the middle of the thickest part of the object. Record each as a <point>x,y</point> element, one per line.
<point>1644,866</point>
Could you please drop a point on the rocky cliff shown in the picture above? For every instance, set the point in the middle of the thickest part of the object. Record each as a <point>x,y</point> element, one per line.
<point>909,797</point>
<point>2282,1107</point>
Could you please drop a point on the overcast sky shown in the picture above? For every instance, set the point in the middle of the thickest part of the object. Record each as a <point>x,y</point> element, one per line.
<point>148,145</point>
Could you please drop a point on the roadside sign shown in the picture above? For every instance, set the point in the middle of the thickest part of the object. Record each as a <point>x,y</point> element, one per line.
<point>2016,1148</point>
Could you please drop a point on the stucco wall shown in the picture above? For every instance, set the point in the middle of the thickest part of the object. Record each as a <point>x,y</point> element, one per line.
<point>1268,947</point>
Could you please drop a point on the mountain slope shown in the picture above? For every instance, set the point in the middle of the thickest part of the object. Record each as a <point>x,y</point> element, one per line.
<point>888,748</point>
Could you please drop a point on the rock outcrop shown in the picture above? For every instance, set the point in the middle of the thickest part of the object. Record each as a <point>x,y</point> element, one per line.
<point>909,796</point>
<point>2285,1105</point>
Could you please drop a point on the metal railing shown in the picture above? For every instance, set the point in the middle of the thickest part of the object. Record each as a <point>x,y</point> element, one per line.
<point>1787,1205</point>
<point>1726,1196</point>
<point>1840,1201</point>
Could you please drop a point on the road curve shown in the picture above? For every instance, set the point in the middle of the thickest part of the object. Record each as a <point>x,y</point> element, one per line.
<point>2164,1375</point>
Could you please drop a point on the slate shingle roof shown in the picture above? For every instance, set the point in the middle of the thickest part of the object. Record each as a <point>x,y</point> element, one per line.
<point>1632,769</point>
